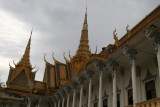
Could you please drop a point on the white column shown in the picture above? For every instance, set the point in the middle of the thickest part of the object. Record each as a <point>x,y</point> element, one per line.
<point>131,53</point>
<point>63,102</point>
<point>68,100</point>
<point>158,57</point>
<point>81,96</point>
<point>100,90</point>
<point>74,96</point>
<point>38,103</point>
<point>90,89</point>
<point>158,60</point>
<point>133,70</point>
<point>59,103</point>
<point>114,89</point>
<point>29,102</point>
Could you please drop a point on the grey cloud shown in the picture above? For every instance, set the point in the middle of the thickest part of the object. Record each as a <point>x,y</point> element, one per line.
<point>58,25</point>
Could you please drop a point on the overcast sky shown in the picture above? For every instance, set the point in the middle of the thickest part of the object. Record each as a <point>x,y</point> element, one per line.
<point>58,25</point>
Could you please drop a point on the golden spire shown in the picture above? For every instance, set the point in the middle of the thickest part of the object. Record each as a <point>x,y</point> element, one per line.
<point>83,49</point>
<point>25,61</point>
<point>85,24</point>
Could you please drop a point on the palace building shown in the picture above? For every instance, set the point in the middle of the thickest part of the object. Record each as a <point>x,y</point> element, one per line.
<point>124,74</point>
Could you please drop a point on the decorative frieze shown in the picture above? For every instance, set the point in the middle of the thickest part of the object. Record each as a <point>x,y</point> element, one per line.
<point>68,89</point>
<point>153,35</point>
<point>62,93</point>
<point>149,76</point>
<point>81,79</point>
<point>100,65</point>
<point>58,96</point>
<point>112,64</point>
<point>73,84</point>
<point>54,99</point>
<point>89,73</point>
<point>129,52</point>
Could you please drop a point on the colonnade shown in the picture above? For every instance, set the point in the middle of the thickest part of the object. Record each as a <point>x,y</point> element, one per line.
<point>113,64</point>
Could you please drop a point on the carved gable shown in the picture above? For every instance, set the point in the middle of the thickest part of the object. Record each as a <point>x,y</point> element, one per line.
<point>21,80</point>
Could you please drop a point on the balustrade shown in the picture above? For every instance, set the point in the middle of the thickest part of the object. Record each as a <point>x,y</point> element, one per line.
<point>149,103</point>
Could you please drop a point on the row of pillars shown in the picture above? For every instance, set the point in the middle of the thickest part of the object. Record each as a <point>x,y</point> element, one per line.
<point>130,52</point>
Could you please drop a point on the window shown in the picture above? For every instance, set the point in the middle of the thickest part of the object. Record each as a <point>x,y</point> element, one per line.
<point>95,104</point>
<point>150,90</point>
<point>118,100</point>
<point>105,103</point>
<point>130,97</point>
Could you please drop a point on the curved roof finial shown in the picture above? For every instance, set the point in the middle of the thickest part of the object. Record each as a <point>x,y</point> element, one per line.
<point>115,35</point>
<point>55,61</point>
<point>127,28</point>
<point>9,64</point>
<point>45,58</point>
<point>114,32</point>
<point>14,63</point>
<point>70,55</point>
<point>65,58</point>
<point>53,56</point>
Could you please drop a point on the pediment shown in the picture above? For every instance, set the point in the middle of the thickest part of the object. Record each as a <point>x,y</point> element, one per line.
<point>21,80</point>
<point>149,76</point>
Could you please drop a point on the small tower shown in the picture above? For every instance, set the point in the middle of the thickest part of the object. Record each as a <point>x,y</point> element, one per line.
<point>22,76</point>
<point>83,51</point>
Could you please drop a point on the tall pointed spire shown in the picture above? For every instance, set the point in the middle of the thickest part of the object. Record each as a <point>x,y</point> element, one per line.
<point>85,24</point>
<point>25,61</point>
<point>83,49</point>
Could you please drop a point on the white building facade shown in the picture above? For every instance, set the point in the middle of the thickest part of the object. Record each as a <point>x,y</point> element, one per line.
<point>129,76</point>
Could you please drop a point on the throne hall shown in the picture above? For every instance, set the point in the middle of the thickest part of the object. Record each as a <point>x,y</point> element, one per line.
<point>125,73</point>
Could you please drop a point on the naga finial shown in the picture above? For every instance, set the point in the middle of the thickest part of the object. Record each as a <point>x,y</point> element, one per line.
<point>9,64</point>
<point>53,57</point>
<point>70,55</point>
<point>127,28</point>
<point>45,58</point>
<point>14,63</point>
<point>65,57</point>
<point>115,36</point>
